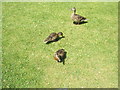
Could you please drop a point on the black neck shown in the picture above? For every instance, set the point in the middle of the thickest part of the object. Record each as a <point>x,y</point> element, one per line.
<point>74,11</point>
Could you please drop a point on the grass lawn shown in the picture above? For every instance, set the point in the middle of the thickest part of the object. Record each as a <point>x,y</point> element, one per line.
<point>91,61</point>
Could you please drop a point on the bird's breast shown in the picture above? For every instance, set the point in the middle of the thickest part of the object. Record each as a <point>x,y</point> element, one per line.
<point>55,58</point>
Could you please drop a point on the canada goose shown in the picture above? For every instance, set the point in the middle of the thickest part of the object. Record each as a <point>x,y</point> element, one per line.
<point>53,37</point>
<point>77,18</point>
<point>60,55</point>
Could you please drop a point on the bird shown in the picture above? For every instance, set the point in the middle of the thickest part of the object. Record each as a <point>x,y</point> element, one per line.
<point>60,55</point>
<point>53,37</point>
<point>77,18</point>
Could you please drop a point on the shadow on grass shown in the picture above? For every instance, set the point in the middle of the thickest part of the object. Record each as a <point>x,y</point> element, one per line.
<point>56,40</point>
<point>76,23</point>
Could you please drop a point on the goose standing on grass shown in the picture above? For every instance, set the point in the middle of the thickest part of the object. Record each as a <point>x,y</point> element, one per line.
<point>53,37</point>
<point>77,18</point>
<point>60,55</point>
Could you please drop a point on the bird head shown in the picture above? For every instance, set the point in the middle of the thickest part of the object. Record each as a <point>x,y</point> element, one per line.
<point>73,9</point>
<point>60,34</point>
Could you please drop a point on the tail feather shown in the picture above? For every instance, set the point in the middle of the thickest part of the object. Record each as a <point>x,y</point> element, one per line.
<point>84,20</point>
<point>45,41</point>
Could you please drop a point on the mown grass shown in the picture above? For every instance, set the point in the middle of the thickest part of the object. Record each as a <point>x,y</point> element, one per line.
<point>91,47</point>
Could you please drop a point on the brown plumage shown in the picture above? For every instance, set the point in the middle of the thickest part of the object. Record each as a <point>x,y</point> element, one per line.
<point>77,18</point>
<point>60,55</point>
<point>53,37</point>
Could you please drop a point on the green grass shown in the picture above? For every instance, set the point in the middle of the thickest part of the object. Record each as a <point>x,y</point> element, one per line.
<point>91,47</point>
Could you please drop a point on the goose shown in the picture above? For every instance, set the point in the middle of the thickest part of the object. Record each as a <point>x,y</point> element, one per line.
<point>53,37</point>
<point>77,18</point>
<point>60,55</point>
